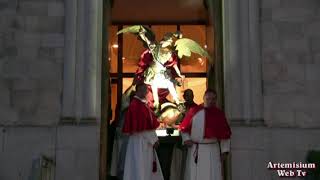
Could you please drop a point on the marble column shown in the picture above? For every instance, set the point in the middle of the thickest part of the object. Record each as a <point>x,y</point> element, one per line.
<point>232,63</point>
<point>91,60</point>
<point>99,41</point>
<point>256,61</point>
<point>69,70</point>
<point>82,73</point>
<point>245,60</point>
<point>80,61</point>
<point>242,62</point>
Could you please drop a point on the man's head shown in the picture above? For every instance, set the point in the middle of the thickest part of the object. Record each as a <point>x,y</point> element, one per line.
<point>210,98</point>
<point>188,96</point>
<point>141,90</point>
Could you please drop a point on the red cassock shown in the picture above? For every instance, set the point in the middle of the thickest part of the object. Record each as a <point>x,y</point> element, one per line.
<point>216,125</point>
<point>139,117</point>
<point>190,106</point>
<point>145,61</point>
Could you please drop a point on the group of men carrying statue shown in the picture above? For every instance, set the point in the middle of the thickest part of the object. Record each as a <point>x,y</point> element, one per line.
<point>144,104</point>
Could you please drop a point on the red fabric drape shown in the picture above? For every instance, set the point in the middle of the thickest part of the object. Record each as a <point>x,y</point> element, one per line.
<point>216,125</point>
<point>139,117</point>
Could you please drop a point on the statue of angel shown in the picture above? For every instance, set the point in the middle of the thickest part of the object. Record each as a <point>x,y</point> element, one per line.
<point>160,57</point>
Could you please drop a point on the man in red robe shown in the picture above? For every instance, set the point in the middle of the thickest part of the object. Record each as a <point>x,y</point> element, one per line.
<point>206,131</point>
<point>141,161</point>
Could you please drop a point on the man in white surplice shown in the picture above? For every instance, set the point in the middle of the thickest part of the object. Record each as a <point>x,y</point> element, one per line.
<point>207,133</point>
<point>141,162</point>
<point>179,153</point>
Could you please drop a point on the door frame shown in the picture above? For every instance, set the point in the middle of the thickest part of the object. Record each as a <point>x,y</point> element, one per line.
<point>240,79</point>
<point>214,78</point>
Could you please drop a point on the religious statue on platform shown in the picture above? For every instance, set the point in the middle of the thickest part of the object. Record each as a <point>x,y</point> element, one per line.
<point>158,65</point>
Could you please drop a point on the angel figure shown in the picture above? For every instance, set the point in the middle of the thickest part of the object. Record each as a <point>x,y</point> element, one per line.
<point>159,63</point>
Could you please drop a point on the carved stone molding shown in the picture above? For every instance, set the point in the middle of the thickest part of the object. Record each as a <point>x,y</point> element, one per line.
<point>81,90</point>
<point>242,61</point>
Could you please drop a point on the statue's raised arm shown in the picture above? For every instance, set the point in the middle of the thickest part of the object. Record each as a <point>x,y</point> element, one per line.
<point>163,56</point>
<point>147,39</point>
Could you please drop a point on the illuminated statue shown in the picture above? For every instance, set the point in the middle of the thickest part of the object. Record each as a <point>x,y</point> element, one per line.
<point>156,63</point>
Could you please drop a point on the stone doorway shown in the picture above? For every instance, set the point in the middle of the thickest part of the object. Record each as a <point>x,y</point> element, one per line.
<point>85,95</point>
<point>121,72</point>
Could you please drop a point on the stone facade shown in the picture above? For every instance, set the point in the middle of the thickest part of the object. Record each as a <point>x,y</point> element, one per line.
<point>31,61</point>
<point>74,149</point>
<point>290,56</point>
<point>253,147</point>
<point>32,44</point>
<point>290,68</point>
<point>32,65</point>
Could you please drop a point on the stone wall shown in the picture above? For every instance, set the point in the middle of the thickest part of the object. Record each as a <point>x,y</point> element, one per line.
<point>291,62</point>
<point>252,149</point>
<point>32,43</point>
<point>290,42</point>
<point>31,61</point>
<point>74,149</point>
